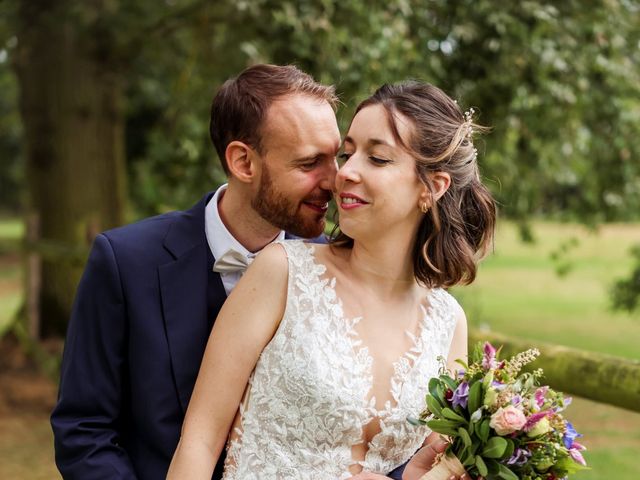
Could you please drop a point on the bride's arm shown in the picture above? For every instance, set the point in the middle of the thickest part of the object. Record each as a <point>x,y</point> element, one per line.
<point>244,326</point>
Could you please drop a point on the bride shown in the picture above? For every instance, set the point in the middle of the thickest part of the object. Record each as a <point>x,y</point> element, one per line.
<point>327,349</point>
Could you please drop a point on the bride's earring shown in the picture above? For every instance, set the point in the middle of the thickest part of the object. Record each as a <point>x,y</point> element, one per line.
<point>424,208</point>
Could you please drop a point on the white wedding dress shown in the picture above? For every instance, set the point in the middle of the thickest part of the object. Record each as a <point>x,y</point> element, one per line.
<point>308,397</point>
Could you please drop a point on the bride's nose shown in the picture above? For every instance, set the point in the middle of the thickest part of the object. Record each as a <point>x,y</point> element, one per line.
<point>349,172</point>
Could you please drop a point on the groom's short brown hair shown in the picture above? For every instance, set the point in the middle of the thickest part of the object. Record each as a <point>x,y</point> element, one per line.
<point>240,106</point>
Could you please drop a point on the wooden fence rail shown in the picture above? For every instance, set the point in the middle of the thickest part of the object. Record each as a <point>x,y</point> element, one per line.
<point>602,378</point>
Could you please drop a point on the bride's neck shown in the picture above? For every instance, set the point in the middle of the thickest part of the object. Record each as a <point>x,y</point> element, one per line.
<point>383,268</point>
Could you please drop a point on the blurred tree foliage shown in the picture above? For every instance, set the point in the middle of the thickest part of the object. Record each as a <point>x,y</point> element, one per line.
<point>557,81</point>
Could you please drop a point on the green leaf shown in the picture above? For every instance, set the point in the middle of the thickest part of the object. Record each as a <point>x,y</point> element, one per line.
<point>415,421</point>
<point>480,465</point>
<point>494,448</point>
<point>483,430</point>
<point>505,474</point>
<point>510,448</point>
<point>451,415</point>
<point>569,465</point>
<point>469,459</point>
<point>433,384</point>
<point>475,396</point>
<point>492,466</point>
<point>440,393</point>
<point>445,427</point>
<point>464,435</point>
<point>434,406</point>
<point>463,363</point>
<point>448,381</point>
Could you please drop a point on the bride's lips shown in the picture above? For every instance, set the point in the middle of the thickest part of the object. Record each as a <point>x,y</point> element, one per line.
<point>349,201</point>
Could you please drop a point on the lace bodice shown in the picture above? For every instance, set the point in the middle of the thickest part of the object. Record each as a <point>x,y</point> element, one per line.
<point>307,399</point>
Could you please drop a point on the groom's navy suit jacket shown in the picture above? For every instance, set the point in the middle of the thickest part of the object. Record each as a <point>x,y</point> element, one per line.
<point>140,323</point>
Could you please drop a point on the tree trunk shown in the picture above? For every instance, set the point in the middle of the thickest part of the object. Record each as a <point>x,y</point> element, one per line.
<point>71,107</point>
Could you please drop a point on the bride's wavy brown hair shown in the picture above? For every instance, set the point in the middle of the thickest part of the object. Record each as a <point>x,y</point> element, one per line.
<point>458,229</point>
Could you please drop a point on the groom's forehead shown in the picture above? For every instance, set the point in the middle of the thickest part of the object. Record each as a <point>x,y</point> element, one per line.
<point>313,125</point>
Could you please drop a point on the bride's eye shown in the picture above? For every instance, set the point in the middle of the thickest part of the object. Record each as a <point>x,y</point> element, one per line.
<point>378,160</point>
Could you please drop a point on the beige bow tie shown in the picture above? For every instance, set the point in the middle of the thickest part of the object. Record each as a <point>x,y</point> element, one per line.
<point>231,261</point>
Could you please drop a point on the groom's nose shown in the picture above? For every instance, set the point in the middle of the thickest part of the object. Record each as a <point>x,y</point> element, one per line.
<point>328,180</point>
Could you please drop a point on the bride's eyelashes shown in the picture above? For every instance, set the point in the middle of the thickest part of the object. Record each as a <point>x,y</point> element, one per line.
<point>379,161</point>
<point>344,156</point>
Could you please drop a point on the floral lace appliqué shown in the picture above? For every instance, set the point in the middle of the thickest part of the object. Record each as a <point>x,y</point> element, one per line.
<point>308,400</point>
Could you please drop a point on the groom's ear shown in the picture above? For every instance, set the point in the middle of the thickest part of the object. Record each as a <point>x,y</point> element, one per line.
<point>240,160</point>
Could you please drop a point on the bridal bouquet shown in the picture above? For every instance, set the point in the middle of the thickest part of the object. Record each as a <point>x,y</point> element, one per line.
<point>501,423</point>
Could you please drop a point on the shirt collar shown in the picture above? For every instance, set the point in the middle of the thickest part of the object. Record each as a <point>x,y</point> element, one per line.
<point>218,237</point>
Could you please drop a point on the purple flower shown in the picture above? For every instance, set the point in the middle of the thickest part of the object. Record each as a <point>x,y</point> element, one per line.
<point>489,357</point>
<point>540,393</point>
<point>570,435</point>
<point>461,395</point>
<point>519,457</point>
<point>534,419</point>
<point>574,452</point>
<point>516,400</point>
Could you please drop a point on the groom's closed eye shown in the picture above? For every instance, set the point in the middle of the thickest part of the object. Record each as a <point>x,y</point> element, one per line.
<point>308,163</point>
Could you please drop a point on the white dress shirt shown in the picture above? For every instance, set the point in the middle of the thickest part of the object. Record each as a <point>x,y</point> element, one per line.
<point>220,239</point>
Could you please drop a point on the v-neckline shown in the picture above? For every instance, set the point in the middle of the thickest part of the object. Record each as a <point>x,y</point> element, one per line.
<point>360,349</point>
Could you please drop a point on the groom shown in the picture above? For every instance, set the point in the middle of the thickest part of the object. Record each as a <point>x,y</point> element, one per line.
<point>152,290</point>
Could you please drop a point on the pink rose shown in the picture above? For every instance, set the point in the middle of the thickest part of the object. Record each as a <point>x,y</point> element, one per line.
<point>507,420</point>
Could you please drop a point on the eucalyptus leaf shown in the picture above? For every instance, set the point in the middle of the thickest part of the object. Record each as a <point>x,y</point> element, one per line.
<point>494,448</point>
<point>475,396</point>
<point>505,474</point>
<point>451,415</point>
<point>483,430</point>
<point>492,466</point>
<point>448,381</point>
<point>433,384</point>
<point>464,435</point>
<point>434,405</point>
<point>510,448</point>
<point>444,427</point>
<point>480,465</point>
<point>415,421</point>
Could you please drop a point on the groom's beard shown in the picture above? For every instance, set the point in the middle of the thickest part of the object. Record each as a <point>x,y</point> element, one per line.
<point>287,214</point>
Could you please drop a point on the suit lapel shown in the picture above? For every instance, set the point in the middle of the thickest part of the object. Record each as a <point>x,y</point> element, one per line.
<point>183,289</point>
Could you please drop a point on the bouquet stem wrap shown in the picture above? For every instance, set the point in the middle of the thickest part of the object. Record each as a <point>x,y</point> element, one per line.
<point>447,466</point>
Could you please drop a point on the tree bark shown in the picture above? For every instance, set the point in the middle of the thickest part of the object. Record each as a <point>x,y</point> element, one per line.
<point>71,107</point>
<point>602,378</point>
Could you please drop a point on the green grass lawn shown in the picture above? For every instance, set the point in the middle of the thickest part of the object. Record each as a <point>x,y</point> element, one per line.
<point>518,292</point>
